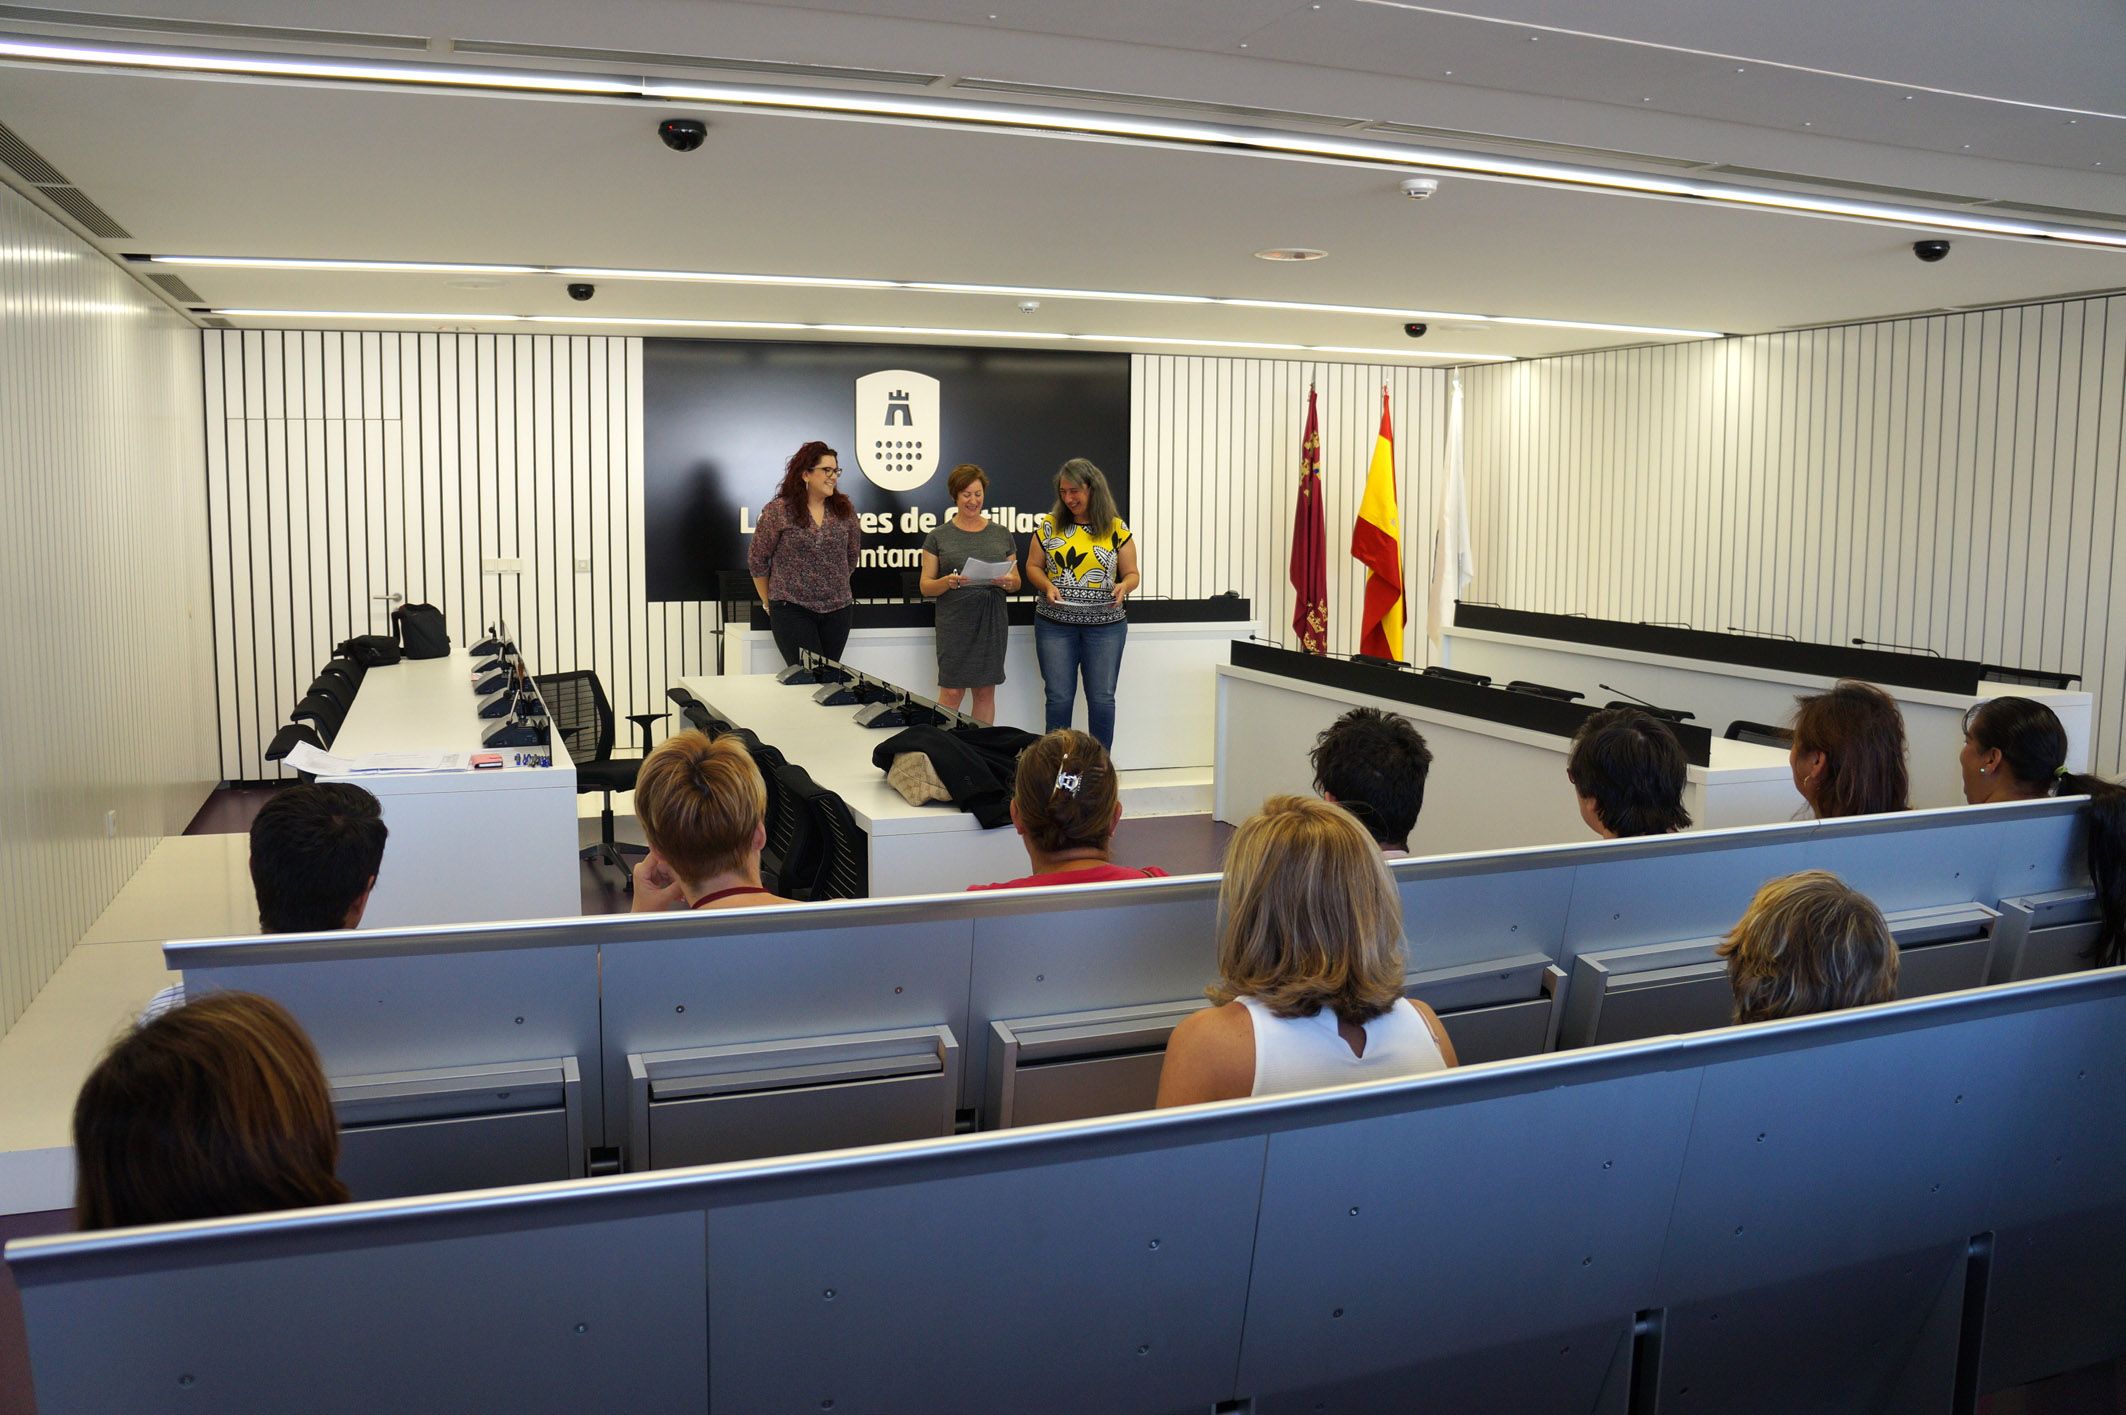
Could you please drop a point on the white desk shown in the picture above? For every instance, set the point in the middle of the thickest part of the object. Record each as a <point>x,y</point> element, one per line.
<point>1720,693</point>
<point>931,849</point>
<point>1491,786</point>
<point>465,846</point>
<point>1163,702</point>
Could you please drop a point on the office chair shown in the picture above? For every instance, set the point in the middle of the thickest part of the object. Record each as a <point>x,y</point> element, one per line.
<point>345,669</point>
<point>698,714</point>
<point>1543,690</point>
<point>334,690</point>
<point>787,829</point>
<point>321,711</point>
<point>582,718</point>
<point>1667,714</point>
<point>1763,734</point>
<point>826,859</point>
<point>286,740</point>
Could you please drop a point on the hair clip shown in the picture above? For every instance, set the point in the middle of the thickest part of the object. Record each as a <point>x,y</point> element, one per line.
<point>2063,772</point>
<point>1068,781</point>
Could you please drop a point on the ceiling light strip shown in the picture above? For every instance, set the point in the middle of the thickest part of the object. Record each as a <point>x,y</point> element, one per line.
<point>1061,122</point>
<point>925,331</point>
<point>948,287</point>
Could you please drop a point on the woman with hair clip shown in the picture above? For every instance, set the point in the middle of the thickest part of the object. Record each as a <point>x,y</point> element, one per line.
<point>1083,560</point>
<point>1848,756</point>
<point>805,550</point>
<point>215,1108</point>
<point>1065,804</point>
<point>1310,968</point>
<point>2016,750</point>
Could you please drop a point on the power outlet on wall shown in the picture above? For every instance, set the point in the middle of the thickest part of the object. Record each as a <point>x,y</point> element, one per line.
<point>110,825</point>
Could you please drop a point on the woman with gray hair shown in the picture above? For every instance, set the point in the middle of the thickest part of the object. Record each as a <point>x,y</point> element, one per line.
<point>1083,560</point>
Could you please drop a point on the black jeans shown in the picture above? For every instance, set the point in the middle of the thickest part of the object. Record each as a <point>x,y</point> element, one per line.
<point>796,627</point>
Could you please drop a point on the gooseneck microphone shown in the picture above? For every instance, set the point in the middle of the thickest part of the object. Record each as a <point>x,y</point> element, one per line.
<point>1761,633</point>
<point>1899,648</point>
<point>1634,697</point>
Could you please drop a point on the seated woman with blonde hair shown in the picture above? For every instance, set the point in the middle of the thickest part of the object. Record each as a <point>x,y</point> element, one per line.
<point>214,1108</point>
<point>704,809</point>
<point>1809,942</point>
<point>1310,962</point>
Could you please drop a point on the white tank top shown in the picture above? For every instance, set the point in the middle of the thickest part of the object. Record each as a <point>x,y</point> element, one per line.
<point>1303,1053</point>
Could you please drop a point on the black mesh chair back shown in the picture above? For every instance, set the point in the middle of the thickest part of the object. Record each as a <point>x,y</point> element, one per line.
<point>1762,733</point>
<point>1543,690</point>
<point>581,714</point>
<point>325,714</point>
<point>810,856</point>
<point>332,689</point>
<point>347,669</point>
<point>287,739</point>
<point>845,873</point>
<point>781,822</point>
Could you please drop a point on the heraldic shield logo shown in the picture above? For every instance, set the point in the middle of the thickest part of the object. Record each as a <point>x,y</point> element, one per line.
<point>897,428</point>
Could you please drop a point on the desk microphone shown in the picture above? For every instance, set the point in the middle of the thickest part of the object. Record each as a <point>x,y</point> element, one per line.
<point>1900,648</point>
<point>1761,633</point>
<point>1662,623</point>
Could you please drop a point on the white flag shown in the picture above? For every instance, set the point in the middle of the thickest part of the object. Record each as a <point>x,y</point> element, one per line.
<point>1453,565</point>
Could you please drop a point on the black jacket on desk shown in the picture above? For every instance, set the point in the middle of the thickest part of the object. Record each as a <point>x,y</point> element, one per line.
<point>977,764</point>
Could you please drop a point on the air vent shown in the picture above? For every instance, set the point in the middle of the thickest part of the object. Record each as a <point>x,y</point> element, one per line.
<point>653,59</point>
<point>89,19</point>
<point>1164,105</point>
<point>175,284</point>
<point>1527,145</point>
<point>93,218</point>
<point>26,161</point>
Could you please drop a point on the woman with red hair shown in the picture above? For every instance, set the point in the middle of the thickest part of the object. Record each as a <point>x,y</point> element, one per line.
<point>804,552</point>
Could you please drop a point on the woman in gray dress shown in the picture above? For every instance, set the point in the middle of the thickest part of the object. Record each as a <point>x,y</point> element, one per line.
<point>972,623</point>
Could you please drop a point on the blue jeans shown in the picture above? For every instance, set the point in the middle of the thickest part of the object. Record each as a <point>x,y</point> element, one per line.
<point>1064,650</point>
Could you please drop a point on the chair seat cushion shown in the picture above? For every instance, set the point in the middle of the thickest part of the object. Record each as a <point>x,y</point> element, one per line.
<point>616,775</point>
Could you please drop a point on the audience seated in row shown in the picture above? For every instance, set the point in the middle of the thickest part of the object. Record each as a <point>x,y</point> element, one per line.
<point>1310,964</point>
<point>1809,943</point>
<point>1628,769</point>
<point>703,808</point>
<point>1848,755</point>
<point>1065,805</point>
<point>1374,764</point>
<point>216,1107</point>
<point>316,851</point>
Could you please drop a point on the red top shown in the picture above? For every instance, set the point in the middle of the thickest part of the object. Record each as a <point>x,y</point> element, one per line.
<point>1098,874</point>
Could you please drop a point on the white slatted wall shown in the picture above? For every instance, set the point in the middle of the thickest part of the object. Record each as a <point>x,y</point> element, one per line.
<point>107,703</point>
<point>1215,451</point>
<point>346,465</point>
<point>1951,481</point>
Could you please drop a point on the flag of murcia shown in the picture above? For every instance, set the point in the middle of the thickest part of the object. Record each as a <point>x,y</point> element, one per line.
<point>897,428</point>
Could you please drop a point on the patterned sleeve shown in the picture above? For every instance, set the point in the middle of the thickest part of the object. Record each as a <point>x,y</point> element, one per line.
<point>1120,532</point>
<point>760,556</point>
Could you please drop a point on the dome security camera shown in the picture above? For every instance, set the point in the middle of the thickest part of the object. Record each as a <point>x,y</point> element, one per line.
<point>1416,329</point>
<point>683,134</point>
<point>1028,306</point>
<point>1930,251</point>
<point>581,290</point>
<point>1418,188</point>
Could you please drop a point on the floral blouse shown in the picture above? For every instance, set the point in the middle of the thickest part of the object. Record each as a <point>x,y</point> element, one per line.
<point>805,565</point>
<point>1085,568</point>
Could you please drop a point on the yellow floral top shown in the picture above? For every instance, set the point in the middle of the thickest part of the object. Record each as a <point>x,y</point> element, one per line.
<point>1085,569</point>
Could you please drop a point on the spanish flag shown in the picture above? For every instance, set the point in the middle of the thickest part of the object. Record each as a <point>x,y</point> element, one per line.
<point>1376,544</point>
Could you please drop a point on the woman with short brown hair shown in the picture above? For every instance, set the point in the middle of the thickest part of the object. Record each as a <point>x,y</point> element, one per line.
<point>1809,942</point>
<point>215,1108</point>
<point>973,624</point>
<point>703,808</point>
<point>1065,804</point>
<point>1310,964</point>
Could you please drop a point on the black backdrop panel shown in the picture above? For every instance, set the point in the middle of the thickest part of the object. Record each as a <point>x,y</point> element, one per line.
<point>720,419</point>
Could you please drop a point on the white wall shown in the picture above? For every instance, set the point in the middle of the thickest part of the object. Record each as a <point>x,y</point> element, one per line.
<point>106,703</point>
<point>1951,481</point>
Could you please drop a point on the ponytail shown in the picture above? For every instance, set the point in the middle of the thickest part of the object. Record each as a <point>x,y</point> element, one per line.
<point>2106,820</point>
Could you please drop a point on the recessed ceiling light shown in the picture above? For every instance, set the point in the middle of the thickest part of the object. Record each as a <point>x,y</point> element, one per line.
<point>1908,98</point>
<point>1448,72</point>
<point>1024,119</point>
<point>1290,253</point>
<point>1740,70</point>
<point>926,331</point>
